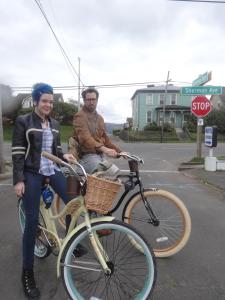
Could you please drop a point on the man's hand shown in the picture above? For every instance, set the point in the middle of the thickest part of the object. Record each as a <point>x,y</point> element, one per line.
<point>123,154</point>
<point>19,188</point>
<point>109,152</point>
<point>70,158</point>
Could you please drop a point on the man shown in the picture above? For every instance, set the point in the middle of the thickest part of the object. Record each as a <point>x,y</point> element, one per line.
<point>90,133</point>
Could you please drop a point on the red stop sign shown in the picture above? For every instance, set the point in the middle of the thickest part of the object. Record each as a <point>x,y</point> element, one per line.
<point>201,106</point>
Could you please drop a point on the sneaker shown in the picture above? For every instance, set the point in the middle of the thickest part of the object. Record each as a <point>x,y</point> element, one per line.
<point>104,232</point>
<point>29,284</point>
<point>79,251</point>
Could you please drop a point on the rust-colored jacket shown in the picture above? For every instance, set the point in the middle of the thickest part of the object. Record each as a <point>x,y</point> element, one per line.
<point>89,131</point>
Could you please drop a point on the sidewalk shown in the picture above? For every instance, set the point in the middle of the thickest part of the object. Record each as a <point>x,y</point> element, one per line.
<point>215,179</point>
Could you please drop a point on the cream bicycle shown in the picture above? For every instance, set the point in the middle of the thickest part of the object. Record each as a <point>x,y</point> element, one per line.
<point>112,268</point>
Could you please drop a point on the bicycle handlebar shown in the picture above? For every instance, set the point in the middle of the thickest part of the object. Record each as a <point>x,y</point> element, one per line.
<point>131,156</point>
<point>59,161</point>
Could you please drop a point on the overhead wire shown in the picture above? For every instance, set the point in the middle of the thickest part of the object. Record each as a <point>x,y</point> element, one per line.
<point>57,39</point>
<point>207,1</point>
<point>99,86</point>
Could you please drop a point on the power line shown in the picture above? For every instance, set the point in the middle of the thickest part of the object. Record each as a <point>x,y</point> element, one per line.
<point>116,85</point>
<point>57,40</point>
<point>207,1</point>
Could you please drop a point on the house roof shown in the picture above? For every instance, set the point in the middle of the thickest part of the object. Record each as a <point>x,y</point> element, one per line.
<point>22,96</point>
<point>157,89</point>
<point>221,97</point>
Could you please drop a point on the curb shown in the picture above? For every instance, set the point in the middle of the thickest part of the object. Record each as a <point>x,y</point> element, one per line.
<point>189,167</point>
<point>6,175</point>
<point>204,181</point>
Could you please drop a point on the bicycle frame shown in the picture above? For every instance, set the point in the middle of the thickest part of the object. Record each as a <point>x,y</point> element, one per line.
<point>51,229</point>
<point>130,185</point>
<point>49,219</point>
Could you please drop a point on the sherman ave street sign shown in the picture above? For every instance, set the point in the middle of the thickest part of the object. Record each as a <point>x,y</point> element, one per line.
<point>202,79</point>
<point>201,90</point>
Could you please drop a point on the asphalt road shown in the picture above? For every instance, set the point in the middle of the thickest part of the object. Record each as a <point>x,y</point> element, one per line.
<point>196,273</point>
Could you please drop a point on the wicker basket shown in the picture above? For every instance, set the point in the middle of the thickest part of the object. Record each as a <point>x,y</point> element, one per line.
<point>100,194</point>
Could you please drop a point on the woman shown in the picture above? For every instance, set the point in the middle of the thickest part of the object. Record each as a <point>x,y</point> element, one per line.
<point>33,133</point>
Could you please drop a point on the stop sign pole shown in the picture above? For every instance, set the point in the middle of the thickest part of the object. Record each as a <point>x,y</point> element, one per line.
<point>200,107</point>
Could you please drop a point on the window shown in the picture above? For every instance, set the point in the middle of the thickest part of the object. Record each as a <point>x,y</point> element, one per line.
<point>149,100</point>
<point>173,99</point>
<point>186,116</point>
<point>172,117</point>
<point>149,116</point>
<point>161,99</point>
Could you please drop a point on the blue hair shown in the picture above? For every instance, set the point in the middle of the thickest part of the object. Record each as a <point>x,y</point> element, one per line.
<point>39,89</point>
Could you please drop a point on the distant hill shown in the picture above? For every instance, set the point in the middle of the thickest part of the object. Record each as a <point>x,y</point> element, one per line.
<point>111,126</point>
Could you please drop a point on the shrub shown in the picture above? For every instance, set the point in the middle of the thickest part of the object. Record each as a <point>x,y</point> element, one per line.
<point>152,127</point>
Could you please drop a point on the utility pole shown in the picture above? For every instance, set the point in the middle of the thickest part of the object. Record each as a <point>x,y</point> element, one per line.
<point>78,83</point>
<point>2,163</point>
<point>164,105</point>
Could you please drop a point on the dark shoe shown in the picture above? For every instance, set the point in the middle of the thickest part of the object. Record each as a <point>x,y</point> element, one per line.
<point>104,232</point>
<point>29,285</point>
<point>79,251</point>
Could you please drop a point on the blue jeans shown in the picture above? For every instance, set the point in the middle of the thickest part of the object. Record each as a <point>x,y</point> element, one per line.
<point>31,203</point>
<point>91,161</point>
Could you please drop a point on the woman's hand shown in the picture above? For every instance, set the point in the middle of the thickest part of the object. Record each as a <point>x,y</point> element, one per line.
<point>19,188</point>
<point>70,158</point>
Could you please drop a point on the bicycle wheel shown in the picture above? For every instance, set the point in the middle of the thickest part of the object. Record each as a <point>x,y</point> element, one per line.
<point>41,250</point>
<point>174,228</point>
<point>133,273</point>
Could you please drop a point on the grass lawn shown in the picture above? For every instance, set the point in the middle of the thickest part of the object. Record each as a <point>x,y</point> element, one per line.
<point>66,132</point>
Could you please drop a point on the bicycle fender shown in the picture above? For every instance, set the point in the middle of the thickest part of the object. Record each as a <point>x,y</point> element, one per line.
<point>74,231</point>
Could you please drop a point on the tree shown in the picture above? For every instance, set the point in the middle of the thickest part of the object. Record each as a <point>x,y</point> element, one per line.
<point>64,112</point>
<point>5,94</point>
<point>217,118</point>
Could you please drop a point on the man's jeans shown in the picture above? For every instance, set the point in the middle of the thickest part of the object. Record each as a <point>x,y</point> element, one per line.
<point>90,162</point>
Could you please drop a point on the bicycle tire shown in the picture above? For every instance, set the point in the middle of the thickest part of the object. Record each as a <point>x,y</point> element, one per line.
<point>40,249</point>
<point>133,272</point>
<point>174,228</point>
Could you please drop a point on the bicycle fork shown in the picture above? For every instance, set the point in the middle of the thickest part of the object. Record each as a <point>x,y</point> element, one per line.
<point>97,246</point>
<point>153,218</point>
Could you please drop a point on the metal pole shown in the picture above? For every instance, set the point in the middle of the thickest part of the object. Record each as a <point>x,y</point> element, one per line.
<point>199,139</point>
<point>164,105</point>
<point>78,83</point>
<point>2,163</point>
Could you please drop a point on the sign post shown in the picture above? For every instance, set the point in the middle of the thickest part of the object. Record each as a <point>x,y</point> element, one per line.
<point>200,107</point>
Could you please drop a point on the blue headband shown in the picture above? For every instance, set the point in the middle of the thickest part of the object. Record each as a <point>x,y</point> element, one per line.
<point>39,89</point>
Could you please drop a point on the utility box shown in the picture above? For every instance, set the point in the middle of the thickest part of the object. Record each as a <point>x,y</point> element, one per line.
<point>211,136</point>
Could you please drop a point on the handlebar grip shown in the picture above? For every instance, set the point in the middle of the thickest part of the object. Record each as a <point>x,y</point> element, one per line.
<point>52,157</point>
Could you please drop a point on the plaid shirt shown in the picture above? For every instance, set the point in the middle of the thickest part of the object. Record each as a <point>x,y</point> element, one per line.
<point>47,166</point>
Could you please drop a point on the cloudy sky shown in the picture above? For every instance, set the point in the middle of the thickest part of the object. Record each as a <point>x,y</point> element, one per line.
<point>118,41</point>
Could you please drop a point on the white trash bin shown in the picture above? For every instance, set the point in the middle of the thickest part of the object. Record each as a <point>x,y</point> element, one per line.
<point>210,163</point>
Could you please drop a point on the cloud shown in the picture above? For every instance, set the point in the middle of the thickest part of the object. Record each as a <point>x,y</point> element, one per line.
<point>117,41</point>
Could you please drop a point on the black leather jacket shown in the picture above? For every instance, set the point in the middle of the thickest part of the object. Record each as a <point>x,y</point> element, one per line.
<point>27,144</point>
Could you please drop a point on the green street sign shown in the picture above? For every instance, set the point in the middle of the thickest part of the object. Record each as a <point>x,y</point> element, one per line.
<point>201,90</point>
<point>202,79</point>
